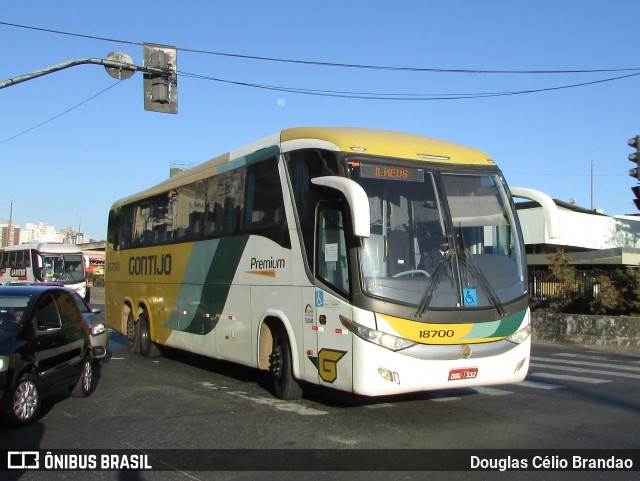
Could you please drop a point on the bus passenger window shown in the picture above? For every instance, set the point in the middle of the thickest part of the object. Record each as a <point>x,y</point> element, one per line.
<point>264,203</point>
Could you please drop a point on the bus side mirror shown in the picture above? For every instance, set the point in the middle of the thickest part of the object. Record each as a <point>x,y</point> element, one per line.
<point>549,208</point>
<point>356,198</point>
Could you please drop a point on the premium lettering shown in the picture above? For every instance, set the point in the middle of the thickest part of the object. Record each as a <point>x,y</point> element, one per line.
<point>267,263</point>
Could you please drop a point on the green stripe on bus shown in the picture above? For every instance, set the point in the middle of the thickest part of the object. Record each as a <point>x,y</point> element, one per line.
<point>206,285</point>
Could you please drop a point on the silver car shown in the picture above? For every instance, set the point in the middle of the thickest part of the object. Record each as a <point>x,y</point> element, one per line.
<point>97,327</point>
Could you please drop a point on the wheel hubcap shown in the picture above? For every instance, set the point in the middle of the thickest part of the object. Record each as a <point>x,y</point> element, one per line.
<point>25,401</point>
<point>275,364</point>
<point>131,332</point>
<point>87,376</point>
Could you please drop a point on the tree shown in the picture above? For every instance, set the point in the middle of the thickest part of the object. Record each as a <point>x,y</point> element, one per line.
<point>563,274</point>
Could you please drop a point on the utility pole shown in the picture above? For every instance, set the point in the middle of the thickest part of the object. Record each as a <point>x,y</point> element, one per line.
<point>592,185</point>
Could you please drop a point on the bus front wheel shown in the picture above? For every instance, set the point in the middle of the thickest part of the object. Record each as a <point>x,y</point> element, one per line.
<point>285,385</point>
<point>133,334</point>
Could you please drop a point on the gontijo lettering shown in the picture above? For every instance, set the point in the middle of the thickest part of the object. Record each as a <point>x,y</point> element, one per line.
<point>152,265</point>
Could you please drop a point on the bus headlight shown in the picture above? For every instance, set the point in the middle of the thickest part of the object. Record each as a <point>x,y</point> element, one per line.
<point>388,341</point>
<point>520,335</point>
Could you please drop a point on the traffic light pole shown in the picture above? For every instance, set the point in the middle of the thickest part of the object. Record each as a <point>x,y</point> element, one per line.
<point>83,61</point>
<point>160,75</point>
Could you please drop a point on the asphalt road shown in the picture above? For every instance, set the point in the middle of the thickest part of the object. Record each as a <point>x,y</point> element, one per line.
<point>573,398</point>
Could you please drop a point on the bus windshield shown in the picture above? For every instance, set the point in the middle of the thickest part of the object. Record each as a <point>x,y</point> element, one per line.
<point>64,268</point>
<point>439,240</point>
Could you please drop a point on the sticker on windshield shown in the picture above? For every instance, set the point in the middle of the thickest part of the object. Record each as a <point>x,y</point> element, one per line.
<point>470,296</point>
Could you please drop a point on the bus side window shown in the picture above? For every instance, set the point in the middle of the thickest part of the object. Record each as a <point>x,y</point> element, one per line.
<point>125,226</point>
<point>264,203</point>
<point>304,165</point>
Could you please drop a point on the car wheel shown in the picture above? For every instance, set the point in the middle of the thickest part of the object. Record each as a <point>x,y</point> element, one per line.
<point>25,402</point>
<point>285,385</point>
<point>82,388</point>
<point>133,334</point>
<point>148,348</point>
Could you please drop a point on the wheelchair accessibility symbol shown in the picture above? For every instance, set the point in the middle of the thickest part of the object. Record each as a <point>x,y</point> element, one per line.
<point>319,299</point>
<point>470,296</point>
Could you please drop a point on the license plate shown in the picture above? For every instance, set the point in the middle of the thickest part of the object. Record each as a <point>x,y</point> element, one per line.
<point>463,373</point>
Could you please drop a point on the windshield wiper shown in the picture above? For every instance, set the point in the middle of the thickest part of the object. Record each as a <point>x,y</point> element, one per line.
<point>471,265</point>
<point>434,282</point>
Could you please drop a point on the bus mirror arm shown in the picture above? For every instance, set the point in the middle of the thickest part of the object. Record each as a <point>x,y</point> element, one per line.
<point>549,207</point>
<point>356,198</point>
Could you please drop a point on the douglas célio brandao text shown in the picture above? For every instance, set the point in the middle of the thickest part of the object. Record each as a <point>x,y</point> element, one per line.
<point>573,462</point>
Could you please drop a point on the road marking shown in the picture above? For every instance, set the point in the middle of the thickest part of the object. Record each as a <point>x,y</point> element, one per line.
<point>583,370</point>
<point>538,385</point>
<point>566,377</point>
<point>269,402</point>
<point>490,391</point>
<point>587,363</point>
<point>379,406</point>
<point>443,398</point>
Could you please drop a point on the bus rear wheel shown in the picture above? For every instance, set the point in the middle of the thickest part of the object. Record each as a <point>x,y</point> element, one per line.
<point>148,348</point>
<point>285,386</point>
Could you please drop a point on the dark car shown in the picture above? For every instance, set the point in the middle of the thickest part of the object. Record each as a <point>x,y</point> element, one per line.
<point>44,346</point>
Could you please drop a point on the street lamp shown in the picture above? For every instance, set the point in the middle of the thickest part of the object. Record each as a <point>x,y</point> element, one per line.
<point>79,226</point>
<point>9,234</point>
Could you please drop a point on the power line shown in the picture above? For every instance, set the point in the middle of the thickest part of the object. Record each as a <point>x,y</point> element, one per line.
<point>333,64</point>
<point>60,114</point>
<point>397,96</point>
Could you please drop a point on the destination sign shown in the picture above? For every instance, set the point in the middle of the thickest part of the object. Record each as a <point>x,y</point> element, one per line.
<point>392,173</point>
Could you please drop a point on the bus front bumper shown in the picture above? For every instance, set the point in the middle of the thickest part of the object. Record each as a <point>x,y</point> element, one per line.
<point>379,371</point>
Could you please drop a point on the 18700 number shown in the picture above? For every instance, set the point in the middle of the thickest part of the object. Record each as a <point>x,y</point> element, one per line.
<point>435,333</point>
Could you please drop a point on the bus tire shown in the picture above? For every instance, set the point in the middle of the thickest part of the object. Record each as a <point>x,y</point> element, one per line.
<point>285,386</point>
<point>133,334</point>
<point>148,348</point>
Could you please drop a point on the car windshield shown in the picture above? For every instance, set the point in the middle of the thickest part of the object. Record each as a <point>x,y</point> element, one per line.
<point>12,310</point>
<point>440,240</point>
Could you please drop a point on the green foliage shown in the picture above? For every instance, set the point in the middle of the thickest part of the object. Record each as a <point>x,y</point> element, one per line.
<point>610,292</point>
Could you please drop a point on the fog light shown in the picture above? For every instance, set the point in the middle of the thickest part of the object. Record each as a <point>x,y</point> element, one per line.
<point>520,364</point>
<point>389,375</point>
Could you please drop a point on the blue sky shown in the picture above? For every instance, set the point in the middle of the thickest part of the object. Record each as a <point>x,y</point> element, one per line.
<point>70,169</point>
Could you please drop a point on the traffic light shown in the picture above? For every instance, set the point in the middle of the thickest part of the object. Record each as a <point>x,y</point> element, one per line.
<point>161,85</point>
<point>635,157</point>
<point>636,191</point>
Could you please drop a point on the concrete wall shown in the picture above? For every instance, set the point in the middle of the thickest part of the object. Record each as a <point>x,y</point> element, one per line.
<point>617,332</point>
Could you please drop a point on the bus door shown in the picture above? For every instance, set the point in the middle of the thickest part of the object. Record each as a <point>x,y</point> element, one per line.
<point>331,268</point>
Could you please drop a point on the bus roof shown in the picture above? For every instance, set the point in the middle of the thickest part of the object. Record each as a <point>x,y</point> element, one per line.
<point>384,143</point>
<point>46,247</point>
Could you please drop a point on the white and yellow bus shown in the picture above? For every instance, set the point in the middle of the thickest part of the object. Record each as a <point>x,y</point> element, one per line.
<point>373,262</point>
<point>44,262</point>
